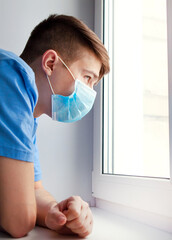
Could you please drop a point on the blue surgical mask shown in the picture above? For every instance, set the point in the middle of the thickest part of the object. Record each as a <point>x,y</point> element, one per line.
<point>75,106</point>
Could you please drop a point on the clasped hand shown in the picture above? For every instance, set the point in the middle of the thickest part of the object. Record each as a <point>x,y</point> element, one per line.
<point>71,216</point>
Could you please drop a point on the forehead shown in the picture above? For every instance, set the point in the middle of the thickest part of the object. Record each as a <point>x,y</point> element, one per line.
<point>87,61</point>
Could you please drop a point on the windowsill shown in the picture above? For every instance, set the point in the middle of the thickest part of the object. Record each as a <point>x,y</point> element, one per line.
<point>106,226</point>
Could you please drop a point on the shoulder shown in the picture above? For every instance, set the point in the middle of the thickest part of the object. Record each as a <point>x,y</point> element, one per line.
<point>17,78</point>
<point>18,97</point>
<point>12,60</point>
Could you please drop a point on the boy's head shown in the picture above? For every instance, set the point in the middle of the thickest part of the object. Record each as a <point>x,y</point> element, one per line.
<point>67,36</point>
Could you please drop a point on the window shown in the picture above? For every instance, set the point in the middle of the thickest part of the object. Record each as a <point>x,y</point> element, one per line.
<point>132,114</point>
<point>136,120</point>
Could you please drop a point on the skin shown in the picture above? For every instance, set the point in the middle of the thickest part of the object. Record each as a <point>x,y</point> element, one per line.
<point>23,202</point>
<point>86,69</point>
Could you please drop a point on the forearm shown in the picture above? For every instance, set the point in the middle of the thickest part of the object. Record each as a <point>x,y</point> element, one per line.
<point>44,202</point>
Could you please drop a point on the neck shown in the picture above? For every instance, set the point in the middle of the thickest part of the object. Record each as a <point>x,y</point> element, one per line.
<point>43,105</point>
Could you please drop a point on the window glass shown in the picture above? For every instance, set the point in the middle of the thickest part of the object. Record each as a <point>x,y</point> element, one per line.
<point>136,118</point>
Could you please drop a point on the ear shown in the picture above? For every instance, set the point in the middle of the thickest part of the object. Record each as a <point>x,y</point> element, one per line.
<point>49,60</point>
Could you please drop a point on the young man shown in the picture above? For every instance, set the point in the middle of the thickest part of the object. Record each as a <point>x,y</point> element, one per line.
<point>62,61</point>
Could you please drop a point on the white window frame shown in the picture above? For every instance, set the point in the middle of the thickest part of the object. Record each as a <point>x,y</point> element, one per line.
<point>152,196</point>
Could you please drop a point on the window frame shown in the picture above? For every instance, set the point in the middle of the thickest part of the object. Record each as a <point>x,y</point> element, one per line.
<point>151,195</point>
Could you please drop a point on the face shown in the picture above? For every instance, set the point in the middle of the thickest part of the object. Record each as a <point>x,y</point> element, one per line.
<point>86,69</point>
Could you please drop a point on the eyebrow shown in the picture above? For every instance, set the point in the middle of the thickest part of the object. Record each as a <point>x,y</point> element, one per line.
<point>91,72</point>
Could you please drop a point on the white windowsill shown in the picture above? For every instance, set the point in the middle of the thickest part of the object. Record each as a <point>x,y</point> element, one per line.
<point>107,226</point>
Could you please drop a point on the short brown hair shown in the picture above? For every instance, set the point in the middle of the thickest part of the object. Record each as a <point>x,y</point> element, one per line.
<point>64,34</point>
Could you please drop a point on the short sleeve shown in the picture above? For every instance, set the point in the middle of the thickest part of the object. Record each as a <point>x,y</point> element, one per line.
<point>17,102</point>
<point>37,167</point>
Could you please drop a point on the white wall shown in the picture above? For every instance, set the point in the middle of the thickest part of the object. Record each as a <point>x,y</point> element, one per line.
<point>66,150</point>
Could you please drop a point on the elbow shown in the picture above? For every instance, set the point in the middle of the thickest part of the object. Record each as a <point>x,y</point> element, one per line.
<point>21,230</point>
<point>21,225</point>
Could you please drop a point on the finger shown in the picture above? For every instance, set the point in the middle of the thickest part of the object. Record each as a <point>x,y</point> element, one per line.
<point>55,219</point>
<point>79,221</point>
<point>82,227</point>
<point>73,208</point>
<point>55,222</point>
<point>86,229</point>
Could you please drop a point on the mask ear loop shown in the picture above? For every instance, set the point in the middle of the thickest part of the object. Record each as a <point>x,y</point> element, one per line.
<point>50,85</point>
<point>67,67</point>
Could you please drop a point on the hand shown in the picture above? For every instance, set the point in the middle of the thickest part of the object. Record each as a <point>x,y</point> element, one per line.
<point>71,216</point>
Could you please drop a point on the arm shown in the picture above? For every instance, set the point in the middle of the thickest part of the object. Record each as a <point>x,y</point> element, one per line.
<point>44,202</point>
<point>18,206</point>
<point>17,198</point>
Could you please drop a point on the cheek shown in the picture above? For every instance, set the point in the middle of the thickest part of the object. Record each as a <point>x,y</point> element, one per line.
<point>63,83</point>
<point>72,88</point>
<point>80,77</point>
<point>69,89</point>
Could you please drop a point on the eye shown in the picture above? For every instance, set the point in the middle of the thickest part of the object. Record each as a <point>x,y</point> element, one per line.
<point>87,78</point>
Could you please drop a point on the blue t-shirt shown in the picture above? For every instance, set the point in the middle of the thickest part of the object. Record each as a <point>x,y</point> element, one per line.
<point>18,98</point>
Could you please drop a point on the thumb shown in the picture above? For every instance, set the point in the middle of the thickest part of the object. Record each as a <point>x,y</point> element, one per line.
<point>55,219</point>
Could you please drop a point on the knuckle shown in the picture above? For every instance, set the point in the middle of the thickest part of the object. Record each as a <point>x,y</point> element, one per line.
<point>79,224</point>
<point>91,222</point>
<point>75,225</point>
<point>76,198</point>
<point>79,198</point>
<point>86,205</point>
<point>76,213</point>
